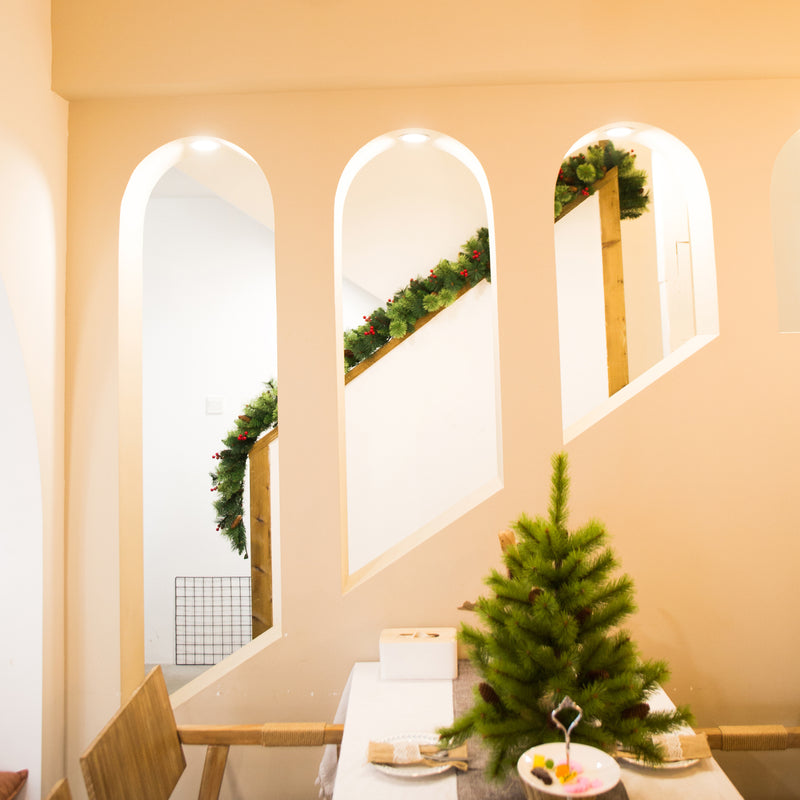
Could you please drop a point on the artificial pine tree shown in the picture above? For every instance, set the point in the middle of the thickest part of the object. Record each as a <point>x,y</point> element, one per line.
<point>552,630</point>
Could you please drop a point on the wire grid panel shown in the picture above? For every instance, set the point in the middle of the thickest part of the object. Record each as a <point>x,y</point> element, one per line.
<point>213,617</point>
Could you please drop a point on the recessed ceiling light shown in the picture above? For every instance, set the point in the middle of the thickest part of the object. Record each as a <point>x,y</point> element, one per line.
<point>622,130</point>
<point>205,145</point>
<point>414,137</point>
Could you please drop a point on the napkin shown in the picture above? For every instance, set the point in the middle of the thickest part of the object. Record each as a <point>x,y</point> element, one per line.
<point>682,747</point>
<point>413,753</point>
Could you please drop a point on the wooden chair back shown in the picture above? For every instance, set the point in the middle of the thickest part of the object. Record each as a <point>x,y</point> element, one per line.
<point>60,791</point>
<point>138,754</point>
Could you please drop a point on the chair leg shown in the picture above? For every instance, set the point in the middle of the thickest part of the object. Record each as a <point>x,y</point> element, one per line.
<point>213,770</point>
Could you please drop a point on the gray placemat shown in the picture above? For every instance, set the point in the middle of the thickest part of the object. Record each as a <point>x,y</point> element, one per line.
<point>471,784</point>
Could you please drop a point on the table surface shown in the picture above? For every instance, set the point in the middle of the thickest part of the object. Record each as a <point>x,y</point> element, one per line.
<point>374,709</point>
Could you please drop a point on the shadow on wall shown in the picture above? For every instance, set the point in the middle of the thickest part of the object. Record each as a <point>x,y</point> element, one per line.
<point>21,556</point>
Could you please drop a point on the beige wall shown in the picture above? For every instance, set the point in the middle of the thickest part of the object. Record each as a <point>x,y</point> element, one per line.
<point>33,176</point>
<point>241,46</point>
<point>695,476</point>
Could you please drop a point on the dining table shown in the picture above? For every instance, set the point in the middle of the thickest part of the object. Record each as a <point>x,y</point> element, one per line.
<point>375,709</point>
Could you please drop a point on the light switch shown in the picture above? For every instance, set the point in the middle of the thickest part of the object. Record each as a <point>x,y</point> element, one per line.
<point>213,405</point>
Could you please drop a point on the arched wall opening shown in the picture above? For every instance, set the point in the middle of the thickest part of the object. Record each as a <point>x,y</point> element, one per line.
<point>670,295</point>
<point>198,321</point>
<point>422,425</point>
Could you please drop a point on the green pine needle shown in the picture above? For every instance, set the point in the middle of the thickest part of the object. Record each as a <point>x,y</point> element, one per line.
<point>551,628</point>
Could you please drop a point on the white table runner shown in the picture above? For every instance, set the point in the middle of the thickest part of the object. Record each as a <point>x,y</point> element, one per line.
<point>378,708</point>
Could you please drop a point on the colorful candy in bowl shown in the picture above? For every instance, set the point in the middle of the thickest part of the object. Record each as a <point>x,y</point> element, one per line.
<point>544,769</point>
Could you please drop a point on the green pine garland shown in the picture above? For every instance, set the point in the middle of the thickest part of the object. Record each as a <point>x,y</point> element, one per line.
<point>398,318</point>
<point>550,630</point>
<point>580,172</point>
<point>422,296</point>
<point>227,479</point>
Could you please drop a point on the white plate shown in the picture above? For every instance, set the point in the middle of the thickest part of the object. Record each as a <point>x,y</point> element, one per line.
<point>687,762</point>
<point>412,770</point>
<point>596,764</point>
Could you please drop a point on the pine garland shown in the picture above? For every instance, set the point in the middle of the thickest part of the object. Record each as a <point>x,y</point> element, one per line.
<point>579,173</point>
<point>551,629</point>
<point>227,479</point>
<point>397,319</point>
<point>422,296</point>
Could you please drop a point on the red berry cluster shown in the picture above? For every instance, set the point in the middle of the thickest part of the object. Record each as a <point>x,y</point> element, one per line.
<point>215,488</point>
<point>242,437</point>
<point>216,455</point>
<point>585,192</point>
<point>476,255</point>
<point>371,331</point>
<point>464,273</point>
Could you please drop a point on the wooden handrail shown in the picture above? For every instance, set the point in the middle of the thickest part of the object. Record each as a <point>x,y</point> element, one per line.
<point>599,184</point>
<point>607,190</point>
<point>270,436</point>
<point>751,737</point>
<point>387,348</point>
<point>271,734</point>
<point>220,738</point>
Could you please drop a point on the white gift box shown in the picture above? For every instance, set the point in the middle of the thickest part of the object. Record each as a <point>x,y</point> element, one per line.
<point>421,653</point>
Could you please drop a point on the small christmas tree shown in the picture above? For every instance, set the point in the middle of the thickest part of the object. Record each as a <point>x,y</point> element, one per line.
<point>552,630</point>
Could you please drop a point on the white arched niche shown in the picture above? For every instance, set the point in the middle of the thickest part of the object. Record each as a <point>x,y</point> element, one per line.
<point>669,277</point>
<point>197,284</point>
<point>422,424</point>
<point>785,210</point>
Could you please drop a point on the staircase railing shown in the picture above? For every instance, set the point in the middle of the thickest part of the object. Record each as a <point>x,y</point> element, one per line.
<point>261,495</point>
<point>607,190</point>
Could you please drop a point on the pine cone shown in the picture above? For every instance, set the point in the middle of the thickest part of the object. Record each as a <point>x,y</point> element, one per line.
<point>489,694</point>
<point>597,675</point>
<point>639,711</point>
<point>533,594</point>
<point>583,615</point>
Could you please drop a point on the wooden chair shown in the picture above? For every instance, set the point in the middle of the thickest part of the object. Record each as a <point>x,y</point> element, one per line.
<point>139,753</point>
<point>60,791</point>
